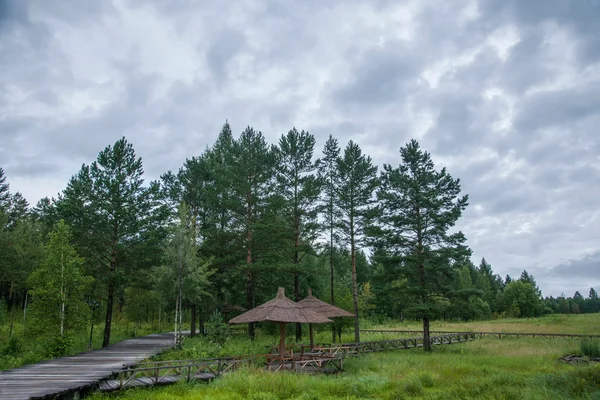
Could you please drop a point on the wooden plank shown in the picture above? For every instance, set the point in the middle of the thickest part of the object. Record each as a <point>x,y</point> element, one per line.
<point>79,372</point>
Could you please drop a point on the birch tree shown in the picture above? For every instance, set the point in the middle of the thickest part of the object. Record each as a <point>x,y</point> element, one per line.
<point>58,287</point>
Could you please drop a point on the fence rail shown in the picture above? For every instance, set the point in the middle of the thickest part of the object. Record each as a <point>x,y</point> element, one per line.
<point>499,335</point>
<point>320,359</point>
<point>350,349</point>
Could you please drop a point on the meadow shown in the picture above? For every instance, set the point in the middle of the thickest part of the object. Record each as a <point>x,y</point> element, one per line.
<point>484,369</point>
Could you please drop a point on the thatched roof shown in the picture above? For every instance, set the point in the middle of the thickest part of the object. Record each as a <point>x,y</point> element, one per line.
<point>280,309</point>
<point>325,309</point>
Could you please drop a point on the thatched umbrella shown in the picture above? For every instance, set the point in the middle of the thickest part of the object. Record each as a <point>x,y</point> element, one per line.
<point>325,309</point>
<point>282,310</point>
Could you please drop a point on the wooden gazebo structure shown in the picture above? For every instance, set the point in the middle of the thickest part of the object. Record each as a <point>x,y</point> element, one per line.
<point>325,309</point>
<point>281,310</point>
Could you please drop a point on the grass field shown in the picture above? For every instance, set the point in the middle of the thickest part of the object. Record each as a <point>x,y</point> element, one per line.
<point>483,369</point>
<point>583,324</point>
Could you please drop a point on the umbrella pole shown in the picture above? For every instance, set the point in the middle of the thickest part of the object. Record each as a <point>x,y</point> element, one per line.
<point>312,337</point>
<point>281,340</point>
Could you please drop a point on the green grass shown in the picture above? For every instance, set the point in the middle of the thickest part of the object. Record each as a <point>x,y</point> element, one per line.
<point>483,369</point>
<point>583,324</point>
<point>590,347</point>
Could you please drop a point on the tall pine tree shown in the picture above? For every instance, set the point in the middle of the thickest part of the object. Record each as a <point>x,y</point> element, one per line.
<point>110,209</point>
<point>356,182</point>
<point>419,206</point>
<point>328,173</point>
<point>251,174</point>
<point>300,189</point>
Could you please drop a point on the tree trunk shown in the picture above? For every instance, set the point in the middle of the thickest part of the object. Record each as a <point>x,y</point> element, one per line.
<point>426,340</point>
<point>250,301</point>
<point>12,318</point>
<point>354,285</point>
<point>331,271</point>
<point>109,312</point>
<point>193,321</point>
<point>201,323</point>
<point>111,289</point>
<point>297,298</point>
<point>25,307</point>
<point>250,275</point>
<point>175,327</point>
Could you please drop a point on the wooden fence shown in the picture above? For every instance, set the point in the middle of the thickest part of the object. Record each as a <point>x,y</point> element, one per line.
<point>319,359</point>
<point>499,335</point>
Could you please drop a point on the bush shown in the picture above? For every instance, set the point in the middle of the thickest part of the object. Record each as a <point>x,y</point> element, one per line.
<point>590,347</point>
<point>218,331</point>
<point>13,347</point>
<point>59,346</point>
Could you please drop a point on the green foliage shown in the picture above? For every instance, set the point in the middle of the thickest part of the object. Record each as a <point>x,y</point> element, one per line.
<point>4,191</point>
<point>58,346</point>
<point>218,330</point>
<point>356,183</point>
<point>116,219</point>
<point>590,347</point>
<point>418,207</point>
<point>13,346</point>
<point>58,287</point>
<point>520,299</point>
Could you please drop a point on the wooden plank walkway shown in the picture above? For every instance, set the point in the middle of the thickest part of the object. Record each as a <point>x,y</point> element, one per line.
<point>68,375</point>
<point>499,335</point>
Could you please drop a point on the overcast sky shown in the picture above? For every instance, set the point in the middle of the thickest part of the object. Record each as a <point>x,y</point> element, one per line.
<point>505,94</point>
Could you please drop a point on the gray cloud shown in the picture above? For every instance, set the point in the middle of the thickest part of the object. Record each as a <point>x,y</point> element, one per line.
<point>504,94</point>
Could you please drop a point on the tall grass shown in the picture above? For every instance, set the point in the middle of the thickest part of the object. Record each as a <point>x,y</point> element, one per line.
<point>590,347</point>
<point>484,369</point>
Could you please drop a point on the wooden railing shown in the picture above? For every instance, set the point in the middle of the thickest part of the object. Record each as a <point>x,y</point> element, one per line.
<point>350,349</point>
<point>165,372</point>
<point>499,335</point>
<point>320,359</point>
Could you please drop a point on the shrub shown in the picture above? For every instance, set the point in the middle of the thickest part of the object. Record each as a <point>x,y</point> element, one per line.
<point>218,331</point>
<point>13,347</point>
<point>59,346</point>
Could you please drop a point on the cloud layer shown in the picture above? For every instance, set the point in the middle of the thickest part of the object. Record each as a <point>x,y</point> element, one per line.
<point>505,94</point>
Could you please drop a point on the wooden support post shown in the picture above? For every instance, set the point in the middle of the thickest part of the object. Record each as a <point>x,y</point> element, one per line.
<point>281,341</point>
<point>312,336</point>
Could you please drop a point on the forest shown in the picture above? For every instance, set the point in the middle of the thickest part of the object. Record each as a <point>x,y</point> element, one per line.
<point>236,222</point>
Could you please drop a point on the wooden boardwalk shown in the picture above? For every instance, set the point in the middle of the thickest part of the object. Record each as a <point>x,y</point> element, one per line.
<point>68,376</point>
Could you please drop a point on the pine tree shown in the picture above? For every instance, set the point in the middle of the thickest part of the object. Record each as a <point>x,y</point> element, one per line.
<point>251,176</point>
<point>357,181</point>
<point>418,207</point>
<point>4,191</point>
<point>300,189</point>
<point>328,176</point>
<point>111,212</point>
<point>18,209</point>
